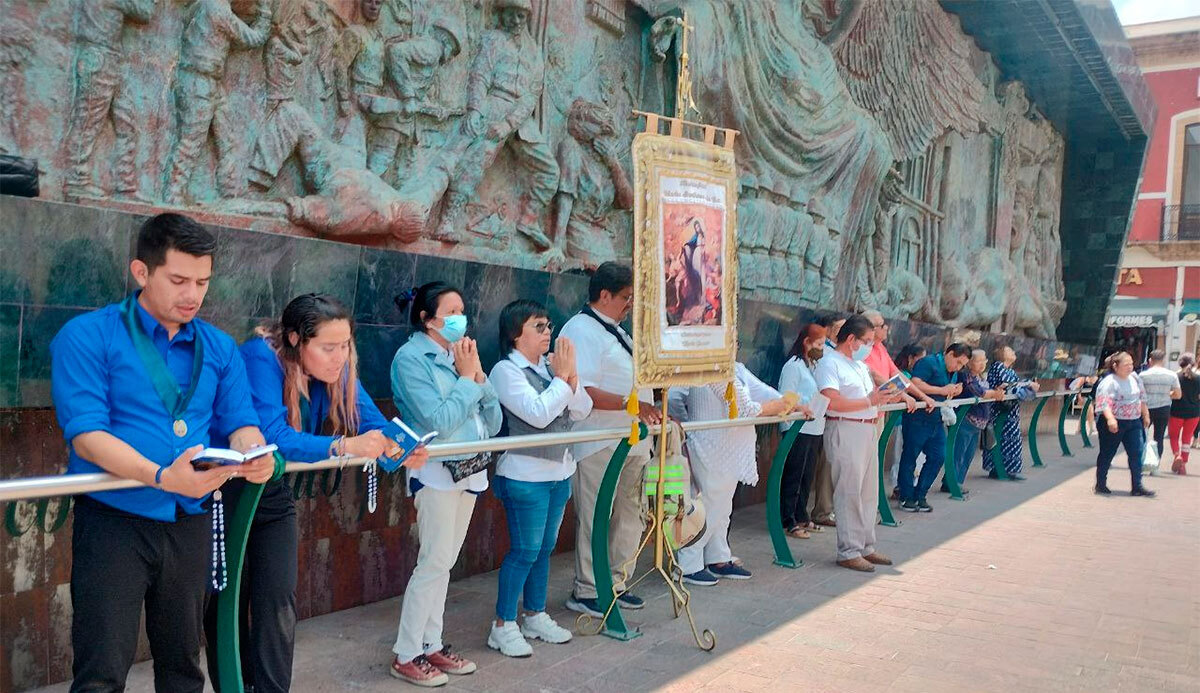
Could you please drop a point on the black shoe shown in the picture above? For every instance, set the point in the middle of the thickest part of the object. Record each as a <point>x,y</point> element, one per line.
<point>1103,491</point>
<point>944,489</point>
<point>993,475</point>
<point>1142,491</point>
<point>909,506</point>
<point>630,601</point>
<point>924,507</point>
<point>1016,477</point>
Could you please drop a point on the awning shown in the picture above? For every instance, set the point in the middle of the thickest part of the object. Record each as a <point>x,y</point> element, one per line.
<point>1137,312</point>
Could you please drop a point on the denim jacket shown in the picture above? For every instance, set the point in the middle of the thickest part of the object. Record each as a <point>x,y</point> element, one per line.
<point>431,396</point>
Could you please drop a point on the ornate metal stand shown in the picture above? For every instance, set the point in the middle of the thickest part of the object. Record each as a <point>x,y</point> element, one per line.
<point>612,624</point>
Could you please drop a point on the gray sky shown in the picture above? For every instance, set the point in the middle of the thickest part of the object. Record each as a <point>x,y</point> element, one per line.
<point>1142,11</point>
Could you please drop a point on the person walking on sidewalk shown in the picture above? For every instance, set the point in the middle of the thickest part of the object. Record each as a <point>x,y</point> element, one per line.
<point>1185,413</point>
<point>1162,388</point>
<point>1121,419</point>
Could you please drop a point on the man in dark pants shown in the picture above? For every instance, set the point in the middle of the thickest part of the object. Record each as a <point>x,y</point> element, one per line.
<point>1162,386</point>
<point>935,375</point>
<point>150,545</point>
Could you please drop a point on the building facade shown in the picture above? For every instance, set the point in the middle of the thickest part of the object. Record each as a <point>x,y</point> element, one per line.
<point>1157,302</point>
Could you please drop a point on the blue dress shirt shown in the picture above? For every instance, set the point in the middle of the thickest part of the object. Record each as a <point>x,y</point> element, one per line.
<point>266,383</point>
<point>99,384</point>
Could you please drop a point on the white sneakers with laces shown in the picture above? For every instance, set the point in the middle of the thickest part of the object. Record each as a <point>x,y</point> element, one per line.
<point>540,626</point>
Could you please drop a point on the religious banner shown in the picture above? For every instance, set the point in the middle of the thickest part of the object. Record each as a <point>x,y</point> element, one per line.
<point>685,261</point>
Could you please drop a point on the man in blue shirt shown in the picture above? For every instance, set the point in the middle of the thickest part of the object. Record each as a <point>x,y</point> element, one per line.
<point>935,375</point>
<point>139,387</point>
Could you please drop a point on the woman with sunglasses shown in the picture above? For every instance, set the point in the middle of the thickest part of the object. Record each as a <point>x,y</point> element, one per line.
<point>538,395</point>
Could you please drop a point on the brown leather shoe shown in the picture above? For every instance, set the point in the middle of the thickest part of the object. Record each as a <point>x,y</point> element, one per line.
<point>860,564</point>
<point>878,559</point>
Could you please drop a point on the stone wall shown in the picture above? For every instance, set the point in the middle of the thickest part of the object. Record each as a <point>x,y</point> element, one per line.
<point>71,259</point>
<point>886,161</point>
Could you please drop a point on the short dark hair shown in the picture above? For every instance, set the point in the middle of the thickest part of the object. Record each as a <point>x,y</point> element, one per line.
<point>610,276</point>
<point>423,299</point>
<point>170,231</point>
<point>1158,355</point>
<point>513,318</point>
<point>959,349</point>
<point>855,325</point>
<point>827,321</point>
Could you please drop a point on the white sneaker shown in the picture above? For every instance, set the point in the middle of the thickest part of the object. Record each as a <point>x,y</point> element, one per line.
<point>541,627</point>
<point>507,638</point>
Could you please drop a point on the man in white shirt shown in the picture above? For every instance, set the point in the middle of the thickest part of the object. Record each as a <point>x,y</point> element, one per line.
<point>721,458</point>
<point>604,361</point>
<point>1162,386</point>
<point>851,442</point>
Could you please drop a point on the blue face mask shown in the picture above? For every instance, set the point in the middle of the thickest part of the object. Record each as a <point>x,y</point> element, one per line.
<point>454,328</point>
<point>862,352</point>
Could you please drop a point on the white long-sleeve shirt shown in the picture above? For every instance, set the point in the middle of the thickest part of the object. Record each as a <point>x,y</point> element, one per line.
<point>729,449</point>
<point>538,410</point>
<point>797,377</point>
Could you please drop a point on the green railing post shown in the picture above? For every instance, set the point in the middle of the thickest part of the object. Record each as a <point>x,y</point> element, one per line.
<point>1062,426</point>
<point>949,465</point>
<point>1087,404</point>
<point>997,449</point>
<point>614,623</point>
<point>885,508</point>
<point>783,552</point>
<point>1033,424</point>
<point>237,534</point>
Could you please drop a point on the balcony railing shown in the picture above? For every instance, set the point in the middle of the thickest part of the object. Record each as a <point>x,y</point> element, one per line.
<point>1181,223</point>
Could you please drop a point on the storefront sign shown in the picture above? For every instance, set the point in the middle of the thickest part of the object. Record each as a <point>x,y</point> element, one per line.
<point>1133,320</point>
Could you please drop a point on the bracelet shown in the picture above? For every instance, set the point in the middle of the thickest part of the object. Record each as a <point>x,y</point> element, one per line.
<point>158,476</point>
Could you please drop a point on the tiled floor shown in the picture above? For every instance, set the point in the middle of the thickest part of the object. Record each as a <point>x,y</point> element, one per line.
<point>1035,586</point>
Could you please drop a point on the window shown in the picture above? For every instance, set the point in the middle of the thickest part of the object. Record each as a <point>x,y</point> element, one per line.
<point>1190,192</point>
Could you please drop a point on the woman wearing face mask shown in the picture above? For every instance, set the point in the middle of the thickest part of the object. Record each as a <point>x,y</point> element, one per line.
<point>539,395</point>
<point>303,374</point>
<point>438,384</point>
<point>798,470</point>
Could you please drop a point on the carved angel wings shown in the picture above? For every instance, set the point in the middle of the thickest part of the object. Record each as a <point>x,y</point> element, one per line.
<point>908,65</point>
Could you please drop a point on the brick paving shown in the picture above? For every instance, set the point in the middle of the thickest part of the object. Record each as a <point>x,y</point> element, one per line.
<point>1035,586</point>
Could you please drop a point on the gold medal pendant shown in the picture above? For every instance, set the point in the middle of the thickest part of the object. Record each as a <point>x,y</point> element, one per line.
<point>180,428</point>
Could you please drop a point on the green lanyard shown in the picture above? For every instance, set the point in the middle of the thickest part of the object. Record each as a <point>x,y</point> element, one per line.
<point>175,401</point>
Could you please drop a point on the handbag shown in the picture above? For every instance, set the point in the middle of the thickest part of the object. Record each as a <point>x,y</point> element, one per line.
<point>461,469</point>
<point>1150,458</point>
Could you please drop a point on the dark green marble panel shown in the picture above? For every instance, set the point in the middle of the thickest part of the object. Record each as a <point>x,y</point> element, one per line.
<point>39,324</point>
<point>63,255</point>
<point>377,344</point>
<point>256,274</point>
<point>10,348</point>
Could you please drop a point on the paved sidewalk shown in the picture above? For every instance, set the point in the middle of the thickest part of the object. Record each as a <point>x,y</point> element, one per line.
<point>1034,586</point>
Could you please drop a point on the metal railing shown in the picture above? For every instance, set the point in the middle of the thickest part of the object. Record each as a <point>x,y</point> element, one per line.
<point>74,484</point>
<point>1181,223</point>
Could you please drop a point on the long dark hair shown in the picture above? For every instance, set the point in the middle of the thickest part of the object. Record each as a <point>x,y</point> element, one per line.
<point>302,319</point>
<point>424,299</point>
<point>908,354</point>
<point>797,349</point>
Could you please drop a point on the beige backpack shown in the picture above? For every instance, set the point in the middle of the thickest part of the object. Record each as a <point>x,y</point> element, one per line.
<point>683,508</point>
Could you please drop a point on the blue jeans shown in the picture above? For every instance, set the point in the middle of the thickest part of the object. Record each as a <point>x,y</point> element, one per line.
<point>534,510</point>
<point>1130,434</point>
<point>929,438</point>
<point>965,446</point>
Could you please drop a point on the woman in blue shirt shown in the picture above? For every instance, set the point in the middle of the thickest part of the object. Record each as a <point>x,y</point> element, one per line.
<point>303,374</point>
<point>438,384</point>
